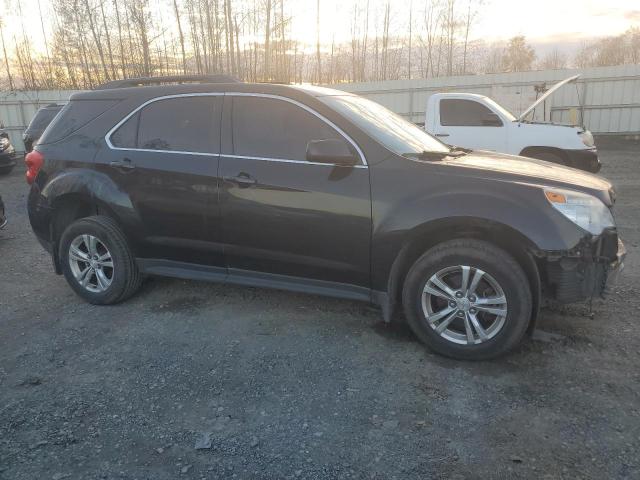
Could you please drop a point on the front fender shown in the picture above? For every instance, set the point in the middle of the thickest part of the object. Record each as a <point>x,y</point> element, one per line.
<point>417,203</point>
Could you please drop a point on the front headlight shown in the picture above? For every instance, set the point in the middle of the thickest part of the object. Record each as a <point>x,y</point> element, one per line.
<point>587,138</point>
<point>586,211</point>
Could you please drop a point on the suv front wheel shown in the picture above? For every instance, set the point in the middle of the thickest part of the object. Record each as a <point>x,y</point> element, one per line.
<point>97,262</point>
<point>468,299</point>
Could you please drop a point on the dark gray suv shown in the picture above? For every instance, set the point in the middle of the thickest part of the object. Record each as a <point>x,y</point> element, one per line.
<point>314,190</point>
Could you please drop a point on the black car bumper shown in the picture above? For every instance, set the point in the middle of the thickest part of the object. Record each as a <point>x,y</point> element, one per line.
<point>7,159</point>
<point>586,271</point>
<point>586,159</point>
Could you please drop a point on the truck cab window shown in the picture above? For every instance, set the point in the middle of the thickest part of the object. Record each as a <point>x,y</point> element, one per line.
<point>466,113</point>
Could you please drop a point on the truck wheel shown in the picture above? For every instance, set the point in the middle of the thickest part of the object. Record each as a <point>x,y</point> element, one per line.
<point>467,299</point>
<point>97,262</point>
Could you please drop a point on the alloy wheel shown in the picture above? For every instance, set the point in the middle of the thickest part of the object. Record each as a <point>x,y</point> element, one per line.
<point>91,263</point>
<point>464,305</point>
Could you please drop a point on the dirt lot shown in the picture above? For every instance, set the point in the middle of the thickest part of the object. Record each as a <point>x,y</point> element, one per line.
<point>294,386</point>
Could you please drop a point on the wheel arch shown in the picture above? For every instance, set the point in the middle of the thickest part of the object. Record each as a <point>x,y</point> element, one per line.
<point>429,234</point>
<point>79,194</point>
<point>532,151</point>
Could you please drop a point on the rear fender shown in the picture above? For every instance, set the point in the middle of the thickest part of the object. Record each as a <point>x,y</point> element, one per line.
<point>95,187</point>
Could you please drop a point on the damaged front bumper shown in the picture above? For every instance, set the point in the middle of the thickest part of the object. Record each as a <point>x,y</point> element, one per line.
<point>586,270</point>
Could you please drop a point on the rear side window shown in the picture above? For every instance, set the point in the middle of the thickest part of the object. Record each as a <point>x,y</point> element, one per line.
<point>74,115</point>
<point>271,128</point>
<point>186,124</point>
<point>462,113</point>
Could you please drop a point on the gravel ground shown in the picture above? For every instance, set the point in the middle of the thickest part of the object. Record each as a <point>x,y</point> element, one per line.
<point>277,385</point>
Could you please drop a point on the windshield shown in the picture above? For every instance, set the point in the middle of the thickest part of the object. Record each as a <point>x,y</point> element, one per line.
<point>391,130</point>
<point>499,108</point>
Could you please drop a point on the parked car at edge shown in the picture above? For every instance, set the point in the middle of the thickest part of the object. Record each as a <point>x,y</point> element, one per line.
<point>3,215</point>
<point>38,124</point>
<point>478,122</point>
<point>314,190</point>
<point>7,154</point>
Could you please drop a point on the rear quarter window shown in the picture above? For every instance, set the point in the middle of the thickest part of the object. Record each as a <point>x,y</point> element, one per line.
<point>73,116</point>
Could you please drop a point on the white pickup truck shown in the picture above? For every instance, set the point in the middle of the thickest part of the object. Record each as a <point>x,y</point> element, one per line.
<point>477,122</point>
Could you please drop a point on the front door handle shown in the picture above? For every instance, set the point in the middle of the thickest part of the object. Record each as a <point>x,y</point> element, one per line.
<point>442,134</point>
<point>243,180</point>
<point>125,164</point>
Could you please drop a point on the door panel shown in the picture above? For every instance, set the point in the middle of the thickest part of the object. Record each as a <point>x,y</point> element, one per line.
<point>461,123</point>
<point>281,214</point>
<point>298,219</point>
<point>174,196</point>
<point>174,192</point>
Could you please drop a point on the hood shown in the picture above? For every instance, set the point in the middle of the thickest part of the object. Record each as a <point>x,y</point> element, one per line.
<point>546,95</point>
<point>539,172</point>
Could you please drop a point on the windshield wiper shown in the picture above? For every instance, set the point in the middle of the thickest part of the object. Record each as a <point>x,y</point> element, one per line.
<point>437,156</point>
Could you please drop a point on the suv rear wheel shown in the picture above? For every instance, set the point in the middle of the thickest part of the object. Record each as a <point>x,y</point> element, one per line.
<point>97,262</point>
<point>468,299</point>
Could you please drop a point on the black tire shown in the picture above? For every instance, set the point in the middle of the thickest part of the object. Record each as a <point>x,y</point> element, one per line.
<point>6,170</point>
<point>126,278</point>
<point>477,254</point>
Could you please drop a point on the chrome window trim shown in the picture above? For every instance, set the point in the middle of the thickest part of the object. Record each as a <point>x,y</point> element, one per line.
<point>286,160</point>
<point>107,137</point>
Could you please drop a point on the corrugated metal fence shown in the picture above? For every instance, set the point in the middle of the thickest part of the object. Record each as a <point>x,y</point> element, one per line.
<point>17,110</point>
<point>609,97</point>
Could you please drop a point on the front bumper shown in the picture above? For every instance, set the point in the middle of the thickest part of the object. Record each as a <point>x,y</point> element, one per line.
<point>585,159</point>
<point>586,271</point>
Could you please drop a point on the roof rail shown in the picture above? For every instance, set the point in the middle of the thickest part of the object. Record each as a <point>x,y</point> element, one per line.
<point>137,82</point>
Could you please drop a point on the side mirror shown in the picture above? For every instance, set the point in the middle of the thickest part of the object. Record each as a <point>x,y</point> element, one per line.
<point>332,151</point>
<point>491,120</point>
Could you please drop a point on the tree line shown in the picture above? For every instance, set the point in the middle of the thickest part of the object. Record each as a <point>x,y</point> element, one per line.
<point>89,42</point>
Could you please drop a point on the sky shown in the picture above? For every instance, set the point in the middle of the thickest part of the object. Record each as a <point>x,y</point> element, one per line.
<point>539,20</point>
<point>543,22</point>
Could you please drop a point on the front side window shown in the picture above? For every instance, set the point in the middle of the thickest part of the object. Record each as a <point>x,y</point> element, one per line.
<point>463,113</point>
<point>183,124</point>
<point>272,128</point>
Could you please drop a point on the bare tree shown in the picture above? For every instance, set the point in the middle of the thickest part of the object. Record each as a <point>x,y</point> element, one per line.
<point>180,36</point>
<point>319,64</point>
<point>553,60</point>
<point>6,57</point>
<point>518,56</point>
<point>473,7</point>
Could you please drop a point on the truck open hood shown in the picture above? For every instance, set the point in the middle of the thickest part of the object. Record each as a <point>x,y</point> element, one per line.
<point>546,95</point>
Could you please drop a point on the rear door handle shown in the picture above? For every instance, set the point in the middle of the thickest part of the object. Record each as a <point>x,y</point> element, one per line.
<point>125,164</point>
<point>442,134</point>
<point>243,180</point>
